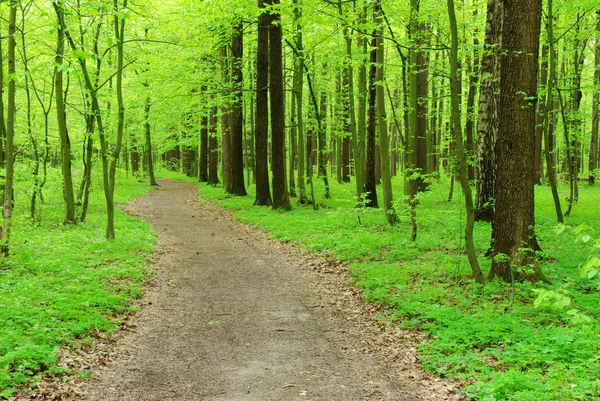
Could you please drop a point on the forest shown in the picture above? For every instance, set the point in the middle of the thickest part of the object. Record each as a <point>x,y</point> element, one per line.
<point>443,153</point>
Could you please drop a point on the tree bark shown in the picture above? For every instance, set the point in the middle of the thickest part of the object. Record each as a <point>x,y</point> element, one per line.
<point>539,126</point>
<point>65,142</point>
<point>119,26</point>
<point>420,141</point>
<point>370,176</point>
<point>263,192</point>
<point>303,165</point>
<point>487,128</point>
<point>281,197</point>
<point>593,161</point>
<point>213,147</point>
<point>548,124</point>
<point>203,167</point>
<point>514,235</point>
<point>148,138</point>
<point>225,120</point>
<point>237,129</point>
<point>10,130</point>
<point>384,141</point>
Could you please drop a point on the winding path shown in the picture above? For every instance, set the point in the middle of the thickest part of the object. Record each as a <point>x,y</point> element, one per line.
<point>234,316</point>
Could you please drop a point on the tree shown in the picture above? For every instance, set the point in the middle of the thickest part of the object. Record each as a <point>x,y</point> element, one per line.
<point>487,128</point>
<point>384,141</point>
<point>261,134</point>
<point>515,242</point>
<point>65,141</point>
<point>461,154</point>
<point>370,183</point>
<point>236,158</point>
<point>203,163</point>
<point>547,125</point>
<point>593,161</point>
<point>298,92</point>
<point>10,131</point>
<point>213,147</point>
<point>281,197</point>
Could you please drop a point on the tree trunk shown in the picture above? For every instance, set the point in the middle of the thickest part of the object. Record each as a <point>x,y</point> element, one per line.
<point>225,120</point>
<point>548,125</point>
<point>420,141</point>
<point>360,157</point>
<point>370,176</point>
<point>213,147</point>
<point>322,142</point>
<point>514,235</point>
<point>487,127</point>
<point>203,162</point>
<point>281,197</point>
<point>10,129</point>
<point>2,118</point>
<point>539,125</point>
<point>148,137</point>
<point>352,128</point>
<point>384,141</point>
<point>299,94</point>
<point>237,129</point>
<point>65,142</point>
<point>461,154</point>
<point>119,26</point>
<point>261,134</point>
<point>473,75</point>
<point>593,161</point>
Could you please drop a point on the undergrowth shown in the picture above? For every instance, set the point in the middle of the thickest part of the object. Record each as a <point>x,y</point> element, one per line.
<point>61,284</point>
<point>492,338</point>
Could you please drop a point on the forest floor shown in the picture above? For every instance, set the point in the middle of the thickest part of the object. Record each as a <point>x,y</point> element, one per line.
<point>232,315</point>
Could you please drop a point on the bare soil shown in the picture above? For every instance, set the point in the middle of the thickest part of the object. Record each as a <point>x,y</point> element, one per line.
<point>232,315</point>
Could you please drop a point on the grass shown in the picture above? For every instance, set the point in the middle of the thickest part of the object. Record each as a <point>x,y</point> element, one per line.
<point>61,284</point>
<point>492,338</point>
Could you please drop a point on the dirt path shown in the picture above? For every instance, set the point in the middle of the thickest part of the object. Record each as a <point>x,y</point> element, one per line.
<point>235,316</point>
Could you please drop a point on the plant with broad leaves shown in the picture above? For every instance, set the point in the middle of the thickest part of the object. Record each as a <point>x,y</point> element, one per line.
<point>561,298</point>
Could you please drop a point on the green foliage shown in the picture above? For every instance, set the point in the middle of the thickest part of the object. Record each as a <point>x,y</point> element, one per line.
<point>562,298</point>
<point>63,283</point>
<point>492,337</point>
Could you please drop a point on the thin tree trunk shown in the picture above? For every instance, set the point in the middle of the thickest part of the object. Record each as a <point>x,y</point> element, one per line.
<point>68,193</point>
<point>548,126</point>
<point>263,192</point>
<point>384,141</point>
<point>593,161</point>
<point>539,126</point>
<point>203,162</point>
<point>349,78</point>
<point>2,117</point>
<point>461,154</point>
<point>370,176</point>
<point>281,197</point>
<point>10,133</point>
<point>473,75</point>
<point>237,129</point>
<point>298,92</point>
<point>119,26</point>
<point>225,121</point>
<point>213,147</point>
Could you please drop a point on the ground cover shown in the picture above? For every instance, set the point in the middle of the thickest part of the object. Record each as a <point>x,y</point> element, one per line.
<point>62,284</point>
<point>491,337</point>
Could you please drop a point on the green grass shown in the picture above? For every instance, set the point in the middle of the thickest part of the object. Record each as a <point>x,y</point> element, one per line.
<point>490,337</point>
<point>63,283</point>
